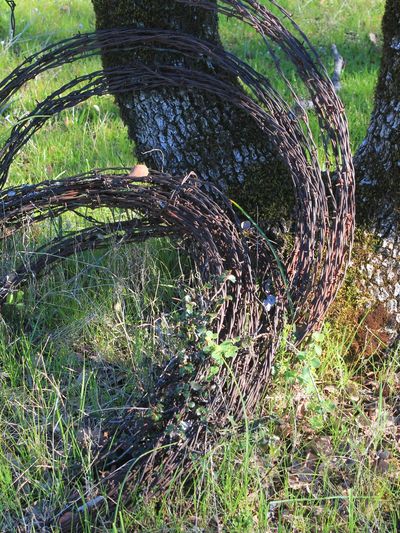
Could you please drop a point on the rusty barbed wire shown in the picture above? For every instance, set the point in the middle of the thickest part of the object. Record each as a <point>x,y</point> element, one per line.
<point>191,211</point>
<point>166,206</point>
<point>310,206</point>
<point>274,118</point>
<point>194,209</point>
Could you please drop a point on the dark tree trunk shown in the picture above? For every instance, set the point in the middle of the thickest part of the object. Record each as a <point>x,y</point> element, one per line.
<point>378,171</point>
<point>183,131</point>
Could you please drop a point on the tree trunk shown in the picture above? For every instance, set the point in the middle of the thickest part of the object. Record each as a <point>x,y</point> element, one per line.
<point>183,131</point>
<point>378,172</point>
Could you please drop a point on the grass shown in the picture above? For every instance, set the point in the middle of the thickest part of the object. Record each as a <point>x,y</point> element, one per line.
<point>325,456</point>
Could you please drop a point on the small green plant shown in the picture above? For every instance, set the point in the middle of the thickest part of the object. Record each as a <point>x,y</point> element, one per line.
<point>304,373</point>
<point>219,352</point>
<point>16,299</point>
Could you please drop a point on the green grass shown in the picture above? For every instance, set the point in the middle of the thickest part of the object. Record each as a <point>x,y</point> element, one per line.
<point>325,456</point>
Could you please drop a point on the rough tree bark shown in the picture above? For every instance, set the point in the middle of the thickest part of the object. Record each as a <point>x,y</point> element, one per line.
<point>181,130</point>
<point>378,170</point>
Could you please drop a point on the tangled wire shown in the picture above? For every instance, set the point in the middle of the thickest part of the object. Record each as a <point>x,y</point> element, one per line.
<point>186,207</point>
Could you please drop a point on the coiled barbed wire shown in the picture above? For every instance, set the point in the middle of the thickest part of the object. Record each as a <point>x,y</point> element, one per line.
<point>192,208</point>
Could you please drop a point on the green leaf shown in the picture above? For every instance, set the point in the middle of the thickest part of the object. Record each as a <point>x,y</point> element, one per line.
<point>210,335</point>
<point>196,386</point>
<point>10,298</point>
<point>20,296</point>
<point>317,422</point>
<point>328,406</point>
<point>302,356</point>
<point>228,349</point>
<point>217,357</point>
<point>201,411</point>
<point>315,363</point>
<point>317,336</point>
<point>214,370</point>
<point>306,377</point>
<point>290,376</point>
<point>318,350</point>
